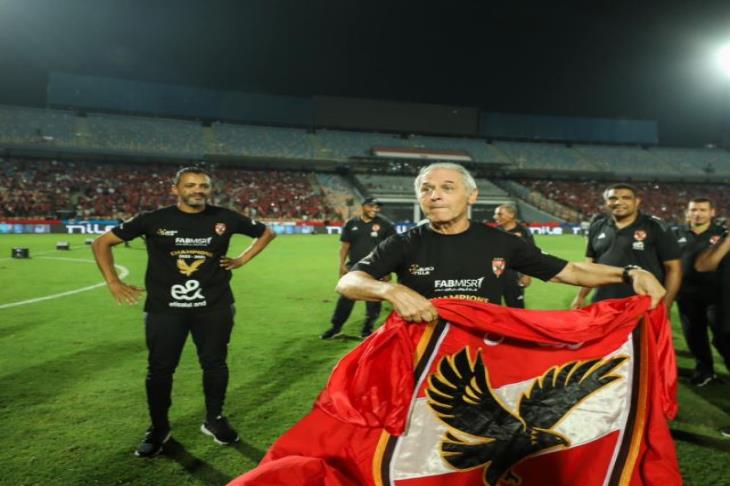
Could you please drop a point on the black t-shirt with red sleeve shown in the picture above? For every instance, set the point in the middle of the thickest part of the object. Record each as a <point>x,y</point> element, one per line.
<point>184,252</point>
<point>468,265</point>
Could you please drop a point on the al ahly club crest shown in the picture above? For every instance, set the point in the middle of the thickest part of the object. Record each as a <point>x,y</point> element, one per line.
<point>639,235</point>
<point>220,228</point>
<point>483,432</point>
<point>498,266</point>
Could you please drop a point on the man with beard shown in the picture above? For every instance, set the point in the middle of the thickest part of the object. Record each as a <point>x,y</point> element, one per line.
<point>628,238</point>
<point>188,292</point>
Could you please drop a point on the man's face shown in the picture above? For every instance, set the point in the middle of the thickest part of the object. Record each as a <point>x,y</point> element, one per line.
<point>444,197</point>
<point>193,189</point>
<point>502,216</point>
<point>370,210</point>
<point>700,213</point>
<point>622,203</point>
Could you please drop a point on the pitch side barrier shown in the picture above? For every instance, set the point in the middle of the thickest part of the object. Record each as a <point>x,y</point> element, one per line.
<point>98,227</point>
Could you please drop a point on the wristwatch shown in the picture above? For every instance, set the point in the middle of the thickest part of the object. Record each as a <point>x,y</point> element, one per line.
<point>625,276</point>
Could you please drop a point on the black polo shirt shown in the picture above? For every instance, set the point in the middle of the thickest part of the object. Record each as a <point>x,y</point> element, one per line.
<point>183,256</point>
<point>467,265</point>
<point>363,236</point>
<point>692,244</point>
<point>647,242</point>
<point>523,232</point>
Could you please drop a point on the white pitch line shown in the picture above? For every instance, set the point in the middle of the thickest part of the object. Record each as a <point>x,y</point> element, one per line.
<point>123,272</point>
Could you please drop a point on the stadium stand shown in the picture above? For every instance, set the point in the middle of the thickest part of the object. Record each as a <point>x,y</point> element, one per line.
<point>251,141</point>
<point>31,126</point>
<point>546,156</point>
<point>338,194</point>
<point>625,160</point>
<point>696,161</point>
<point>402,186</point>
<point>142,135</point>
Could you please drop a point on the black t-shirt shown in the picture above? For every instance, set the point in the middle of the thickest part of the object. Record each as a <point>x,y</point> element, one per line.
<point>363,236</point>
<point>647,242</point>
<point>692,244</point>
<point>184,251</point>
<point>523,232</point>
<point>467,265</point>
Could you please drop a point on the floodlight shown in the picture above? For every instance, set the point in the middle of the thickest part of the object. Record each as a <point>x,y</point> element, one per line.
<point>723,59</point>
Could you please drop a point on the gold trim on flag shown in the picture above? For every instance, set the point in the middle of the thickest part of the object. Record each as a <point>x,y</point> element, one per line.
<point>640,423</point>
<point>385,436</point>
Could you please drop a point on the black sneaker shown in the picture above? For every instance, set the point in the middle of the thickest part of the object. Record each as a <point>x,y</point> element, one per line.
<point>220,430</point>
<point>701,378</point>
<point>725,432</point>
<point>331,332</point>
<point>153,442</point>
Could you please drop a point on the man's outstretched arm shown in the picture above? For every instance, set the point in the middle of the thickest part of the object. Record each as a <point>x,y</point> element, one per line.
<point>587,274</point>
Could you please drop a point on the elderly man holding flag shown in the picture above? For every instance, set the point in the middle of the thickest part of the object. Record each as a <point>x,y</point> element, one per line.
<point>482,394</point>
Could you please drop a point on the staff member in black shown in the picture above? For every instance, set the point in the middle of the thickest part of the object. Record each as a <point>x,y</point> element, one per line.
<point>715,258</point>
<point>700,292</point>
<point>626,237</point>
<point>188,291</point>
<point>359,236</point>
<point>513,283</point>
<point>451,257</point>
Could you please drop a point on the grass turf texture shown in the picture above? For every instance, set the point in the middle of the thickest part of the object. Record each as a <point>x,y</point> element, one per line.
<point>72,405</point>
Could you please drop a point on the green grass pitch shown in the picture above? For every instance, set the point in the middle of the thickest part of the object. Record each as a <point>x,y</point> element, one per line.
<point>72,368</point>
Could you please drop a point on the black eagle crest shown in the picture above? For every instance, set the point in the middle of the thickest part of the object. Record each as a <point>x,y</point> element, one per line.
<point>484,433</point>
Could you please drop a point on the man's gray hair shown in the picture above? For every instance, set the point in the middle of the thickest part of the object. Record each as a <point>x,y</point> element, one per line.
<point>509,207</point>
<point>466,177</point>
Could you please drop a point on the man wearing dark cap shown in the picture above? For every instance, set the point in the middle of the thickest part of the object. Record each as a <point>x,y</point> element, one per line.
<point>359,236</point>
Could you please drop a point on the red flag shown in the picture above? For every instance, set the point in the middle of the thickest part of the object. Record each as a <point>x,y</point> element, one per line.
<point>491,394</point>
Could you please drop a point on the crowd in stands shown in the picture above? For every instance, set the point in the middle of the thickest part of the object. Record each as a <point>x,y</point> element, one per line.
<point>665,200</point>
<point>45,189</point>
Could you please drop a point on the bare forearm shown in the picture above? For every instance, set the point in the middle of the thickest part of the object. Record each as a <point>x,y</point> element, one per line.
<point>672,282</point>
<point>105,259</point>
<point>589,275</point>
<point>256,246</point>
<point>362,286</point>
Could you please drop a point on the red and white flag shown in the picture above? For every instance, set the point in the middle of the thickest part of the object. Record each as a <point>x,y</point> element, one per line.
<point>493,396</point>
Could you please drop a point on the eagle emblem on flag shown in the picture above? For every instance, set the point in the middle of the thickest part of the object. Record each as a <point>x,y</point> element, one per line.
<point>498,266</point>
<point>483,432</point>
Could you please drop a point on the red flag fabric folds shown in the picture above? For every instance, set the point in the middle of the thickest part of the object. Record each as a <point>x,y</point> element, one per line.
<point>490,395</point>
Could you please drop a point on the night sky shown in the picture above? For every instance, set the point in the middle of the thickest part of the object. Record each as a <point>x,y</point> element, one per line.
<point>640,60</point>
